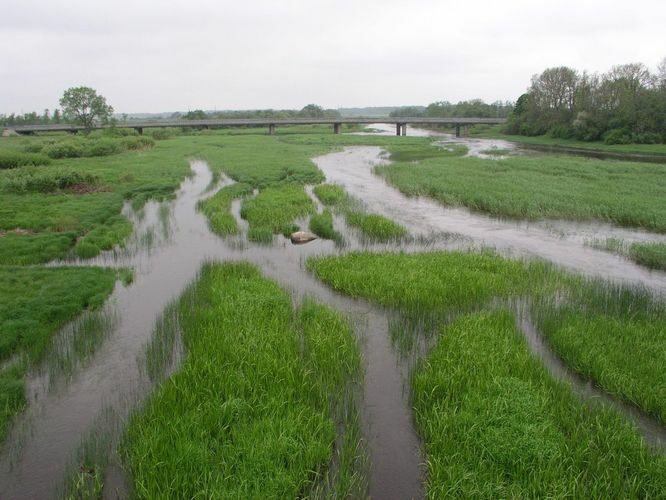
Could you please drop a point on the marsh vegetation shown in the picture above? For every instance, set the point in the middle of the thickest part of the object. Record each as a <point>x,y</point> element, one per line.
<point>251,391</point>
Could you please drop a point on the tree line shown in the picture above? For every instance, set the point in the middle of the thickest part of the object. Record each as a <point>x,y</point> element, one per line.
<point>627,104</point>
<point>81,106</point>
<point>309,111</point>
<point>475,108</point>
<point>32,118</point>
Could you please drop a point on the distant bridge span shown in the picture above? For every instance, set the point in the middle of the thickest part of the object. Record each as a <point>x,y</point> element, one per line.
<point>399,122</point>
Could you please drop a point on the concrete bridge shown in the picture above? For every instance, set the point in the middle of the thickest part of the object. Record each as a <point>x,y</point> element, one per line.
<point>272,123</point>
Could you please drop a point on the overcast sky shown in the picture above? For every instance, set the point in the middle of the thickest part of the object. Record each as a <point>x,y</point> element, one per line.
<point>162,55</point>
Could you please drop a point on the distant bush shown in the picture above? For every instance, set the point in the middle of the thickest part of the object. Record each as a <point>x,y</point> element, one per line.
<point>116,132</point>
<point>160,134</point>
<point>14,159</point>
<point>95,144</point>
<point>137,142</point>
<point>33,147</point>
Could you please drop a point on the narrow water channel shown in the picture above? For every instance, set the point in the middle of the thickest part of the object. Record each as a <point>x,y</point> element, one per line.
<point>172,241</point>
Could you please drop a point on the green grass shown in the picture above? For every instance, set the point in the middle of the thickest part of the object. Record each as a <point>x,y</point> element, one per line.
<point>322,225</point>
<point>496,425</point>
<point>137,176</point>
<point>275,208</point>
<point>34,248</point>
<point>34,303</point>
<point>249,413</point>
<point>14,159</point>
<point>45,180</point>
<point>616,336</point>
<point>426,281</point>
<point>626,194</point>
<point>217,208</point>
<point>652,255</point>
<point>330,194</point>
<point>374,227</point>
<point>418,152</point>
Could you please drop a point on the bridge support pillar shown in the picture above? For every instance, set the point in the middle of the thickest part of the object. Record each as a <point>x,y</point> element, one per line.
<point>336,128</point>
<point>403,129</point>
<point>457,130</point>
<point>271,129</point>
<point>139,130</point>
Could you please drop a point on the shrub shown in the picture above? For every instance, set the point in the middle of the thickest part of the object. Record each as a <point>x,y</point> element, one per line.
<point>102,147</point>
<point>33,147</point>
<point>561,132</point>
<point>617,136</point>
<point>64,149</point>
<point>647,138</point>
<point>43,181</point>
<point>14,159</point>
<point>137,142</point>
<point>160,134</point>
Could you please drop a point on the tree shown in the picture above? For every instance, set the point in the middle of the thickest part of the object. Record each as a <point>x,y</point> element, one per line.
<point>197,114</point>
<point>85,106</point>
<point>312,111</point>
<point>661,74</point>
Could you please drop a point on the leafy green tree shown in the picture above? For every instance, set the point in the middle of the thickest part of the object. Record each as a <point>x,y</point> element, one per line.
<point>197,114</point>
<point>312,111</point>
<point>85,106</point>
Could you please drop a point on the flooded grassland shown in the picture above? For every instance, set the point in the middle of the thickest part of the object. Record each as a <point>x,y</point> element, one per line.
<point>230,362</point>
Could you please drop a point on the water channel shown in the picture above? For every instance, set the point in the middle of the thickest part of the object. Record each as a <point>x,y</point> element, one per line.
<point>69,399</point>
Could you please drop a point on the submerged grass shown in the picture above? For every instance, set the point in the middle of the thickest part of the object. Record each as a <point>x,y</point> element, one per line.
<point>34,304</point>
<point>496,425</point>
<point>372,227</point>
<point>648,254</point>
<point>249,412</point>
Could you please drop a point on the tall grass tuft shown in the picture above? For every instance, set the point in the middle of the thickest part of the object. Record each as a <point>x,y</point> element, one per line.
<point>249,413</point>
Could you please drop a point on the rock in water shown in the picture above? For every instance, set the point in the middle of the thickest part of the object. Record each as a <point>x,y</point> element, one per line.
<point>300,237</point>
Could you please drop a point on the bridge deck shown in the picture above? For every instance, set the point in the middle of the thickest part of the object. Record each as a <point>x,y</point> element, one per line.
<point>266,122</point>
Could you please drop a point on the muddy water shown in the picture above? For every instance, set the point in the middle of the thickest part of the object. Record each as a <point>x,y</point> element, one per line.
<point>560,242</point>
<point>170,244</point>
